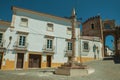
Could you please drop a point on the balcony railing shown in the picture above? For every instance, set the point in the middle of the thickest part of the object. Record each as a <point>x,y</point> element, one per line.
<point>68,53</point>
<point>46,49</point>
<point>17,46</point>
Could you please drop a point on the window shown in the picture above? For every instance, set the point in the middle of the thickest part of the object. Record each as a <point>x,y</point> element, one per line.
<point>69,46</point>
<point>92,26</point>
<point>22,41</point>
<point>49,43</point>
<point>1,36</point>
<point>49,27</point>
<point>24,22</point>
<point>85,46</point>
<point>69,31</point>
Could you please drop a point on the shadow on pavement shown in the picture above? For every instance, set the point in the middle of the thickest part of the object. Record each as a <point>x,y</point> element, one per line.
<point>116,60</point>
<point>108,58</point>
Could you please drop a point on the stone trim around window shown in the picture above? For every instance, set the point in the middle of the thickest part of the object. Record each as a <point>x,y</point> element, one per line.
<point>47,36</point>
<point>50,27</point>
<point>24,22</point>
<point>85,45</point>
<point>69,30</point>
<point>68,40</point>
<point>21,32</point>
<point>16,44</point>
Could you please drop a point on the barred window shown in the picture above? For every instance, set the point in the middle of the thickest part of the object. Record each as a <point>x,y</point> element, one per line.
<point>22,40</point>
<point>49,43</point>
<point>69,46</point>
<point>85,46</point>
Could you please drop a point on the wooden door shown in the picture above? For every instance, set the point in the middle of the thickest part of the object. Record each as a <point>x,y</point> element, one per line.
<point>34,61</point>
<point>1,55</point>
<point>48,60</point>
<point>20,60</point>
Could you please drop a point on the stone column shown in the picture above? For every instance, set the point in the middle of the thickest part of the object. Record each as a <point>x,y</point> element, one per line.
<point>73,19</point>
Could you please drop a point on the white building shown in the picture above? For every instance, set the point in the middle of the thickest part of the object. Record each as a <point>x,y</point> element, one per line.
<point>91,48</point>
<point>37,40</point>
<point>4,40</point>
<point>108,51</point>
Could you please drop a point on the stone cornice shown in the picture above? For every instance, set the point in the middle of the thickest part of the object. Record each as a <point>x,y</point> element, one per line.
<point>41,14</point>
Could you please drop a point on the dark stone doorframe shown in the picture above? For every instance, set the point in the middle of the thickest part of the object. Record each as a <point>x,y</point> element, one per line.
<point>34,61</point>
<point>1,57</point>
<point>20,60</point>
<point>49,60</point>
<point>113,33</point>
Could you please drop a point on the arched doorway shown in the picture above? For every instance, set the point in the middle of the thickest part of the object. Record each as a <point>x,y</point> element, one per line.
<point>109,45</point>
<point>110,39</point>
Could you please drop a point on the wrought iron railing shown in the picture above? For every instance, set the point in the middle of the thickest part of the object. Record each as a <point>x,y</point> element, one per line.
<point>48,49</point>
<point>68,53</point>
<point>16,45</point>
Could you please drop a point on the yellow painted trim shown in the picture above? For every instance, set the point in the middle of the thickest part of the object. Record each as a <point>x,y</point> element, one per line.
<point>26,65</point>
<point>85,59</point>
<point>9,65</point>
<point>34,52</point>
<point>43,65</point>
<point>53,65</point>
<point>56,64</point>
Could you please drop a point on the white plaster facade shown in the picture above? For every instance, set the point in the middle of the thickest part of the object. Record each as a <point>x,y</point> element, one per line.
<point>93,48</point>
<point>29,34</point>
<point>108,51</point>
<point>36,35</point>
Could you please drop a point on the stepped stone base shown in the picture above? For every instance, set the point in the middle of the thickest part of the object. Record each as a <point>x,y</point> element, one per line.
<point>76,70</point>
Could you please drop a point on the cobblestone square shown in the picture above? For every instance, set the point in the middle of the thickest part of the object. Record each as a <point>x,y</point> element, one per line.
<point>104,70</point>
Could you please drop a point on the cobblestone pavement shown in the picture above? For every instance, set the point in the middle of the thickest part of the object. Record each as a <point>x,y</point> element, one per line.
<point>104,70</point>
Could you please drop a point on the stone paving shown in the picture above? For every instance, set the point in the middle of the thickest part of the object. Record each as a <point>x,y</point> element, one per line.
<point>104,70</point>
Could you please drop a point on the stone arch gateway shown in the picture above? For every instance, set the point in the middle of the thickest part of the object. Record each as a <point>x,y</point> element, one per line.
<point>102,28</point>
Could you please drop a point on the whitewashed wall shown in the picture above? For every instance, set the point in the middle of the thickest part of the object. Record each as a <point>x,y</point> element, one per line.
<point>37,29</point>
<point>91,53</point>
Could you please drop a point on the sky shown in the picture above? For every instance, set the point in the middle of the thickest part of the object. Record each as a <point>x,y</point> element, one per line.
<point>109,42</point>
<point>107,9</point>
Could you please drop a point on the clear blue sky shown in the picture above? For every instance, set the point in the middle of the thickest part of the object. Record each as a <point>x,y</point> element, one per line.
<point>108,9</point>
<point>109,42</point>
